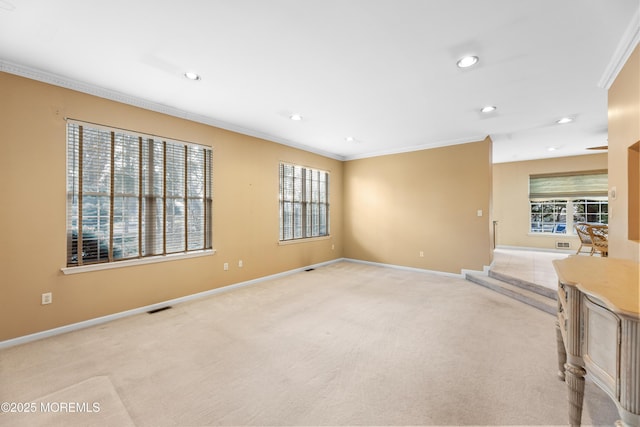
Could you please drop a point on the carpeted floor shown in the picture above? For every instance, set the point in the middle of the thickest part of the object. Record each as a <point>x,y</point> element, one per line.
<point>345,344</point>
<point>93,402</point>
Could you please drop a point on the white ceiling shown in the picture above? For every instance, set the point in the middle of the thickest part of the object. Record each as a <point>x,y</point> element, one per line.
<point>381,71</point>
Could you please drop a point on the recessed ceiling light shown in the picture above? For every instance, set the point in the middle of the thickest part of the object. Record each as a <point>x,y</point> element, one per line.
<point>349,139</point>
<point>467,61</point>
<point>488,109</point>
<point>565,120</point>
<point>192,76</point>
<point>296,117</point>
<point>552,148</point>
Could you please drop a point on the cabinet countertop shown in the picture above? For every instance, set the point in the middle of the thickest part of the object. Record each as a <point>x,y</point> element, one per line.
<point>615,282</point>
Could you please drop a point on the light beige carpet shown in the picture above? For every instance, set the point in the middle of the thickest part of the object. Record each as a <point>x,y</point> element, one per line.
<point>93,402</point>
<point>345,344</point>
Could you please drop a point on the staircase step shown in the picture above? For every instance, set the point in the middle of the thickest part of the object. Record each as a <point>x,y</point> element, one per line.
<point>541,290</point>
<point>534,299</point>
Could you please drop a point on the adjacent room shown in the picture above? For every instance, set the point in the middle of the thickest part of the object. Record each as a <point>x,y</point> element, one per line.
<point>314,213</point>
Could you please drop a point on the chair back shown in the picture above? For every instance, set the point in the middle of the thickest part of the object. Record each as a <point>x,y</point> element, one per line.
<point>582,230</point>
<point>600,237</point>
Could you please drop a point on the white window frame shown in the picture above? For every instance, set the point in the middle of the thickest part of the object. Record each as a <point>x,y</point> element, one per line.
<point>303,203</point>
<point>146,228</point>
<point>565,188</point>
<point>570,207</point>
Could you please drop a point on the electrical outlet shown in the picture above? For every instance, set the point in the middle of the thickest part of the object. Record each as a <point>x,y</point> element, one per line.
<point>240,264</point>
<point>226,266</point>
<point>421,254</point>
<point>47,298</point>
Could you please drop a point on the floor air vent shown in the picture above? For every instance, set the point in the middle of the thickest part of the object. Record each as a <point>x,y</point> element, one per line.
<point>563,245</point>
<point>157,310</point>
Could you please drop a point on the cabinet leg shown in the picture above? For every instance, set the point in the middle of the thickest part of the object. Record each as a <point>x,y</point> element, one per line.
<point>574,376</point>
<point>562,353</point>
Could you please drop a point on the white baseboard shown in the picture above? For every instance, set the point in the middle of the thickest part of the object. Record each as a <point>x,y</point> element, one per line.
<point>524,248</point>
<point>402,267</point>
<point>484,272</point>
<point>104,319</point>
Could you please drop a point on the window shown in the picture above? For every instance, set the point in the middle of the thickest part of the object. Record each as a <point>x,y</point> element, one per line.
<point>131,195</point>
<point>591,210</point>
<point>548,216</point>
<point>304,202</point>
<point>582,194</point>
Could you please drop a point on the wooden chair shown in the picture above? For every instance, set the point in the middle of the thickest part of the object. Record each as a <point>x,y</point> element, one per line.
<point>600,239</point>
<point>582,230</point>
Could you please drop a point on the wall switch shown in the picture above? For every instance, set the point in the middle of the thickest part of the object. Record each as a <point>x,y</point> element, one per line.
<point>421,254</point>
<point>240,264</point>
<point>47,298</point>
<point>479,213</point>
<point>226,266</point>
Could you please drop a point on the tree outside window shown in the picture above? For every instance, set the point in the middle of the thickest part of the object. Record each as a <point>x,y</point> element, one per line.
<point>131,195</point>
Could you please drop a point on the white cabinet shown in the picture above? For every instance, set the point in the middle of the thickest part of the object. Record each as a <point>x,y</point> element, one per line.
<point>598,332</point>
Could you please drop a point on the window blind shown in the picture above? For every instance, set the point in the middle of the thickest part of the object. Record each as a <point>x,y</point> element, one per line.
<point>304,202</point>
<point>131,195</point>
<point>569,185</point>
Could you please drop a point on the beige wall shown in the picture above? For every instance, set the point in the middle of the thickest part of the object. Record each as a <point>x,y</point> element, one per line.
<point>399,205</point>
<point>511,198</point>
<point>32,216</point>
<point>624,131</point>
<point>384,209</point>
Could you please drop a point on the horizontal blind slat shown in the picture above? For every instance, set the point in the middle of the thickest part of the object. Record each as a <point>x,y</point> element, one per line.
<point>104,181</point>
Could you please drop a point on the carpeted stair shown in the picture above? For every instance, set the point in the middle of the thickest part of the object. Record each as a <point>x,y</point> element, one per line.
<point>529,293</point>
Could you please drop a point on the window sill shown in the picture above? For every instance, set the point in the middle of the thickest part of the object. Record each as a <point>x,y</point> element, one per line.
<point>304,240</point>
<point>133,262</point>
<point>551,234</point>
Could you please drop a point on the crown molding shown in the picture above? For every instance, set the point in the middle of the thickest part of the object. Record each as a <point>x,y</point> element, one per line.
<point>627,44</point>
<point>79,86</point>
<point>101,92</point>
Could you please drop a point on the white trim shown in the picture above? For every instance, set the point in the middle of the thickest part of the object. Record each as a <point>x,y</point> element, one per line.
<point>627,44</point>
<point>61,81</point>
<point>66,82</point>
<point>526,248</point>
<point>547,234</point>
<point>104,319</point>
<point>484,272</point>
<point>140,261</point>
<point>402,267</point>
<point>303,240</point>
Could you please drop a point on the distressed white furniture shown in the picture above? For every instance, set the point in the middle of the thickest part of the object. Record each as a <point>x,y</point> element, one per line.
<point>598,332</point>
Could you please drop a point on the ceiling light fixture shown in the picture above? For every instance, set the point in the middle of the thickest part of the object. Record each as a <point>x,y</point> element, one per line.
<point>488,108</point>
<point>349,139</point>
<point>565,120</point>
<point>295,117</point>
<point>467,61</point>
<point>552,148</point>
<point>192,76</point>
